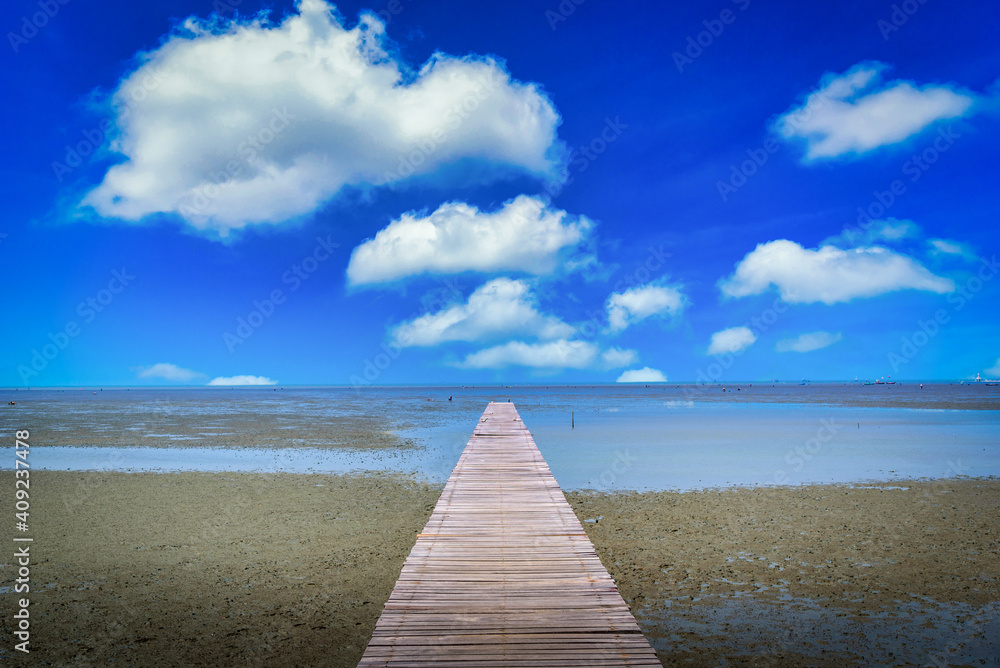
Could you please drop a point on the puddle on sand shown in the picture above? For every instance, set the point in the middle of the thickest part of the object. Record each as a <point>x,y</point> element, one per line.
<point>923,632</point>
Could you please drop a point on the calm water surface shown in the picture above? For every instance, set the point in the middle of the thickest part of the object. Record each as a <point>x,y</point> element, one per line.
<point>597,437</point>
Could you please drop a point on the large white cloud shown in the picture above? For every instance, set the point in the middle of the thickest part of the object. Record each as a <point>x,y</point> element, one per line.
<point>828,274</point>
<point>501,307</point>
<point>284,115</point>
<point>523,235</point>
<point>856,112</point>
<point>560,354</point>
<point>635,304</point>
<point>994,370</point>
<point>242,380</point>
<point>644,375</point>
<point>167,371</point>
<point>808,342</point>
<point>732,340</point>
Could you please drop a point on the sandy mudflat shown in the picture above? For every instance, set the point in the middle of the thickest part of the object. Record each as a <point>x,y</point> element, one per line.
<point>259,421</point>
<point>818,575</point>
<point>194,569</point>
<point>247,570</point>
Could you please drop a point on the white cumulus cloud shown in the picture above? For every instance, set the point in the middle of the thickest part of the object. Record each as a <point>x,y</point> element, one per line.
<point>635,304</point>
<point>242,380</point>
<point>523,235</point>
<point>732,340</point>
<point>560,354</point>
<point>501,307</point>
<point>805,343</point>
<point>828,274</point>
<point>856,112</point>
<point>994,370</point>
<point>643,375</point>
<point>166,371</point>
<point>231,123</point>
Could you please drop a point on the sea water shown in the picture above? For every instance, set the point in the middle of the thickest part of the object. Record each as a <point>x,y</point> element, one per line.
<point>608,437</point>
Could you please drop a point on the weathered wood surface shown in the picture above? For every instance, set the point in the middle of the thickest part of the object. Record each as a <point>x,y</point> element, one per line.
<point>503,574</point>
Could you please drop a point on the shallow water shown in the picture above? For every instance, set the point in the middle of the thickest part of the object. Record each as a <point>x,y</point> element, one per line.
<point>718,445</point>
<point>594,437</point>
<point>619,443</point>
<point>915,632</point>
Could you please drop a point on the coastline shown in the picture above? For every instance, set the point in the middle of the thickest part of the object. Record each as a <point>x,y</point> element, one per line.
<point>286,569</point>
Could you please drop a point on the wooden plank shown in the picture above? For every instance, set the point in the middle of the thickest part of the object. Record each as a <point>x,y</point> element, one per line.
<point>503,573</point>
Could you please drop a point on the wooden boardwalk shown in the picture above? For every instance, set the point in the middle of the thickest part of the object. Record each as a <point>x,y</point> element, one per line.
<point>503,574</point>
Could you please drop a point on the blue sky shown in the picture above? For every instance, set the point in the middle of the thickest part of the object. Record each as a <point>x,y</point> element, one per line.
<point>430,192</point>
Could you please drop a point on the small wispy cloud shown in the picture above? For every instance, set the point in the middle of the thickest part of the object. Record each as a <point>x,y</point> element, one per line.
<point>805,343</point>
<point>884,231</point>
<point>242,380</point>
<point>169,372</point>
<point>950,247</point>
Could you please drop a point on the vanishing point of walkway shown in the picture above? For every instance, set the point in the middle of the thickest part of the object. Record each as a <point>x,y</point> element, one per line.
<point>503,574</point>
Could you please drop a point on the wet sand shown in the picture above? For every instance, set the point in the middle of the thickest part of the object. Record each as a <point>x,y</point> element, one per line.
<point>195,569</point>
<point>260,418</point>
<point>293,570</point>
<point>818,575</point>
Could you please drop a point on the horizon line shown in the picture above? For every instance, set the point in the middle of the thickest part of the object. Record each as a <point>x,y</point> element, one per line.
<point>277,386</point>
